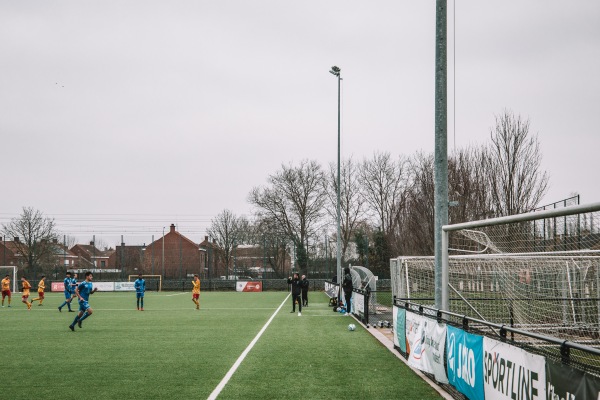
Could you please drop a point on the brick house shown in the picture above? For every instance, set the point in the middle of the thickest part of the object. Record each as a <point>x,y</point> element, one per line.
<point>213,266</point>
<point>10,254</point>
<point>181,256</point>
<point>259,262</point>
<point>89,256</point>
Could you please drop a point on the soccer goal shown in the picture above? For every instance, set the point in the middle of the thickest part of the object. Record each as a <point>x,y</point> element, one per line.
<point>537,271</point>
<point>152,281</point>
<point>12,271</point>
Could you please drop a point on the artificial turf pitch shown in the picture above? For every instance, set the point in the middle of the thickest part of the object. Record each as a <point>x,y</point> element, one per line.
<point>172,351</point>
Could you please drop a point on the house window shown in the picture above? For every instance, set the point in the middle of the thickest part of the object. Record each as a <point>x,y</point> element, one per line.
<point>66,262</point>
<point>103,264</point>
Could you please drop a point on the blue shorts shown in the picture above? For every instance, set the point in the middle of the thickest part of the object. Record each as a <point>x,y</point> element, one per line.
<point>139,295</point>
<point>83,305</point>
<point>67,294</point>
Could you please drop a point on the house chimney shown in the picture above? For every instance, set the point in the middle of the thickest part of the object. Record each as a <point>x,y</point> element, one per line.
<point>206,238</point>
<point>17,239</point>
<point>172,228</point>
<point>91,243</point>
<point>55,241</point>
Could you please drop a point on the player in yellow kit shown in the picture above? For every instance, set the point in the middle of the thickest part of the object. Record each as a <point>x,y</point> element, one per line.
<point>196,291</point>
<point>6,289</point>
<point>41,287</point>
<point>25,292</point>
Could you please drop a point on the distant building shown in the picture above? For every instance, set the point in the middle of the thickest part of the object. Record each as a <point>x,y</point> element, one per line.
<point>181,256</point>
<point>89,256</point>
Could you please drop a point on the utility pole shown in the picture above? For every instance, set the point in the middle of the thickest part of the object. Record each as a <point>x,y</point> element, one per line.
<point>337,72</point>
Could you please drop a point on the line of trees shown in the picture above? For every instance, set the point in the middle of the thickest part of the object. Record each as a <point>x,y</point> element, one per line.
<point>387,202</point>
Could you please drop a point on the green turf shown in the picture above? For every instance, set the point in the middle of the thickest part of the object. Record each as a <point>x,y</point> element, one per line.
<point>173,351</point>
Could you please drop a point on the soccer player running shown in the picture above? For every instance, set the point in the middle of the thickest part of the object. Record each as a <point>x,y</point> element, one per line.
<point>196,291</point>
<point>83,292</point>
<point>25,292</point>
<point>41,287</point>
<point>69,292</point>
<point>140,288</point>
<point>6,289</point>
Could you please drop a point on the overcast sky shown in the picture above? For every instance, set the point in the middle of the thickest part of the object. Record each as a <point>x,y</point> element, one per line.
<point>121,117</point>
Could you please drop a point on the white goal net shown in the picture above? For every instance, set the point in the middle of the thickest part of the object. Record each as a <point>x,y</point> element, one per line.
<point>11,271</point>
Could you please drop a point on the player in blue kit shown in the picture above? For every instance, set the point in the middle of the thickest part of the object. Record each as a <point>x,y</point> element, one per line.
<point>83,292</point>
<point>140,288</point>
<point>68,282</point>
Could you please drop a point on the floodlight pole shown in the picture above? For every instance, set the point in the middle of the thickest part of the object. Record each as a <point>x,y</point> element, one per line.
<point>441,156</point>
<point>163,253</point>
<point>337,72</point>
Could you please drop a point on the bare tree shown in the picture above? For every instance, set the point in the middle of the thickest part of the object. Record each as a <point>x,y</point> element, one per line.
<point>352,200</point>
<point>36,235</point>
<point>515,178</point>
<point>384,182</point>
<point>228,230</point>
<point>294,201</point>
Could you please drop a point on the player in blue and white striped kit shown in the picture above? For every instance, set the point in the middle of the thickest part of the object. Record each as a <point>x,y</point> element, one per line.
<point>140,288</point>
<point>83,291</point>
<point>68,283</point>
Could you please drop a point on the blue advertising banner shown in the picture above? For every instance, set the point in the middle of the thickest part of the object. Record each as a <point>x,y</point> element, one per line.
<point>465,362</point>
<point>400,328</point>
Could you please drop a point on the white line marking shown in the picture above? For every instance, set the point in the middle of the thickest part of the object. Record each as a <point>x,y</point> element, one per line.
<point>177,294</point>
<point>235,366</point>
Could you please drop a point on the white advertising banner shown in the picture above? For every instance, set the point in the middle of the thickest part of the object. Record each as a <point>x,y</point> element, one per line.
<point>427,340</point>
<point>124,286</point>
<point>512,373</point>
<point>105,286</point>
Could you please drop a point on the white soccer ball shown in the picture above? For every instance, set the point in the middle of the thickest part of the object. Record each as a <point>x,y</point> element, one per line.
<point>351,327</point>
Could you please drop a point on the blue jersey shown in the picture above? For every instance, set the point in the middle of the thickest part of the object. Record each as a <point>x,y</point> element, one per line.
<point>140,285</point>
<point>73,285</point>
<point>67,283</point>
<point>85,289</point>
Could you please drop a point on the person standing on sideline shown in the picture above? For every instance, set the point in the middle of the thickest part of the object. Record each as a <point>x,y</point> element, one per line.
<point>347,286</point>
<point>25,292</point>
<point>305,286</point>
<point>41,287</point>
<point>140,288</point>
<point>196,291</point>
<point>83,292</point>
<point>6,289</point>
<point>296,293</point>
<point>69,292</point>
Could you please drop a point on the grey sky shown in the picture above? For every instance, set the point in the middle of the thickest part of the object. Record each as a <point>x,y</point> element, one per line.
<point>124,116</point>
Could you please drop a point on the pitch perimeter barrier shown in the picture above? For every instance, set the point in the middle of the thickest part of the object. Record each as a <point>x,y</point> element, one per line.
<point>477,359</point>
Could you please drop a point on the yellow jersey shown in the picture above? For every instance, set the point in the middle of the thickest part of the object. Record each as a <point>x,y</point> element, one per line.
<point>5,284</point>
<point>41,286</point>
<point>196,289</point>
<point>26,287</point>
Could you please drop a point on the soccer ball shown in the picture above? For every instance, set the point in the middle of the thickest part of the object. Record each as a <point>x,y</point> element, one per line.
<point>351,327</point>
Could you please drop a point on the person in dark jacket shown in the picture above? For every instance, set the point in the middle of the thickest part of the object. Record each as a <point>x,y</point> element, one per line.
<point>296,293</point>
<point>347,286</point>
<point>305,286</point>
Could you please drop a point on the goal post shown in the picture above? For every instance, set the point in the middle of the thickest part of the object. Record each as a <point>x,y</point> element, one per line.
<point>538,271</point>
<point>12,271</point>
<point>151,278</point>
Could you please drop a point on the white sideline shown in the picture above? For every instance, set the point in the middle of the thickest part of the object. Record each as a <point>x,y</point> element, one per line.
<point>235,366</point>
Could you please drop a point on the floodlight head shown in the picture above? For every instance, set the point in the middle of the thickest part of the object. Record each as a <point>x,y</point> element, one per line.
<point>335,71</point>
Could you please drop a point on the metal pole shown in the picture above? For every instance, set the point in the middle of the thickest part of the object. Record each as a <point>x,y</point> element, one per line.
<point>441,150</point>
<point>337,72</point>
<point>163,253</point>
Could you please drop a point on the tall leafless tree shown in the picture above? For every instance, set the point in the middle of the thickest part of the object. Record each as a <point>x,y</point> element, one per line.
<point>516,181</point>
<point>352,199</point>
<point>293,199</point>
<point>36,235</point>
<point>384,182</point>
<point>228,230</point>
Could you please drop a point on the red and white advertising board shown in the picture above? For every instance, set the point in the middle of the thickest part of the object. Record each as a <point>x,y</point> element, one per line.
<point>244,286</point>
